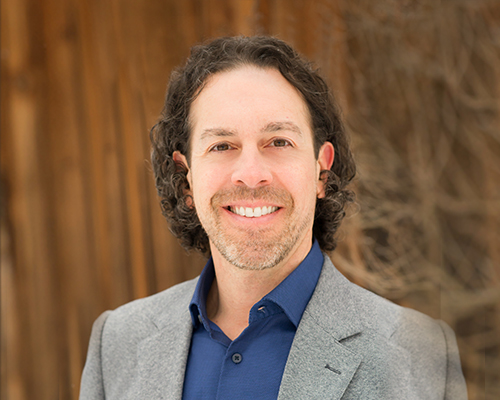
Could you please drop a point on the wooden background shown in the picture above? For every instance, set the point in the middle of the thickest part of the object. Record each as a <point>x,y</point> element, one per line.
<point>82,82</point>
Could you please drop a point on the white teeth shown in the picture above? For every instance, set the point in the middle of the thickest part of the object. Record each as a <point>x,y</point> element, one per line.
<point>253,212</point>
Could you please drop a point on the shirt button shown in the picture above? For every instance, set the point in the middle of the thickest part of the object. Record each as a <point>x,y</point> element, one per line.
<point>236,358</point>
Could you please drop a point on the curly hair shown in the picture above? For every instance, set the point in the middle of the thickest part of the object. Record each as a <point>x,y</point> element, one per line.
<point>172,132</point>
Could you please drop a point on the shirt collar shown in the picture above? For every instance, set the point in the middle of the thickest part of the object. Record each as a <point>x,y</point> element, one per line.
<point>291,295</point>
<point>197,307</point>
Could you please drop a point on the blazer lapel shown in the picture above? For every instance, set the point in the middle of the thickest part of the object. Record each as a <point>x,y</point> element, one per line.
<point>162,363</point>
<point>162,356</point>
<point>319,366</point>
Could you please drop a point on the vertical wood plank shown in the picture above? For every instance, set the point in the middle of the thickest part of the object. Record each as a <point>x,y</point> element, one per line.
<point>84,80</point>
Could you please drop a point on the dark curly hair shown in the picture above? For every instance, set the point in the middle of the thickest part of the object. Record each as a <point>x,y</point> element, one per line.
<point>172,132</point>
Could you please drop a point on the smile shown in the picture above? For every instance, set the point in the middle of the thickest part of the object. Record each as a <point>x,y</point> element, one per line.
<point>253,212</point>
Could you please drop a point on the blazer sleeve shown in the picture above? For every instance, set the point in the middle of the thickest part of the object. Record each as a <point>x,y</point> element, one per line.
<point>456,388</point>
<point>92,385</point>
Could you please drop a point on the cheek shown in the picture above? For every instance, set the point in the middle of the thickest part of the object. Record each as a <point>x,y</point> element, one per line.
<point>300,182</point>
<point>300,171</point>
<point>206,181</point>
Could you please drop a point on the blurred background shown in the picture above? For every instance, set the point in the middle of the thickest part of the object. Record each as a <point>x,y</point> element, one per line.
<point>83,81</point>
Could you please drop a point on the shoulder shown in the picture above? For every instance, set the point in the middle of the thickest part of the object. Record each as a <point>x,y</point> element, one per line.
<point>126,340</point>
<point>155,306</point>
<point>402,349</point>
<point>134,321</point>
<point>337,299</point>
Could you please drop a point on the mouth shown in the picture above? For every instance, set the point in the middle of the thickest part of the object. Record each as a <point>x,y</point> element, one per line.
<point>253,212</point>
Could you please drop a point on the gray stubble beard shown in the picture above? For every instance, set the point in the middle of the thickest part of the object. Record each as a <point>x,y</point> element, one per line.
<point>254,251</point>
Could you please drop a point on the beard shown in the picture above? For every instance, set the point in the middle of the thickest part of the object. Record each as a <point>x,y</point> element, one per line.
<point>255,248</point>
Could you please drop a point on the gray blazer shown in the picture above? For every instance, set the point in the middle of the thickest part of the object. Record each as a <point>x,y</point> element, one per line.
<point>350,344</point>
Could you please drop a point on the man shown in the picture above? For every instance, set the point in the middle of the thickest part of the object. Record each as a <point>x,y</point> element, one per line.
<point>251,163</point>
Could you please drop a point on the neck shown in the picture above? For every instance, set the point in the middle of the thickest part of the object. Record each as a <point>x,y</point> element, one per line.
<point>235,290</point>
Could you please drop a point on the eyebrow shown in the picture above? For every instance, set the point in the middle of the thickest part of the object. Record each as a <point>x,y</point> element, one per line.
<point>282,126</point>
<point>269,128</point>
<point>218,132</point>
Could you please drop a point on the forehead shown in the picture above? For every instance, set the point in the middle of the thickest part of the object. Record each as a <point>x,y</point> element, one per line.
<point>246,97</point>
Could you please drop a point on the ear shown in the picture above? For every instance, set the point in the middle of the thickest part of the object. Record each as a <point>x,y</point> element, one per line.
<point>181,161</point>
<point>326,156</point>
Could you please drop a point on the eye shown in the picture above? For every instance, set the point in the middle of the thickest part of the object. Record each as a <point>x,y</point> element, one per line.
<point>280,143</point>
<point>219,147</point>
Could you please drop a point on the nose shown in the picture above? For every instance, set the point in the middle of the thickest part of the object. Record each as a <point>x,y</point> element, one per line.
<point>251,170</point>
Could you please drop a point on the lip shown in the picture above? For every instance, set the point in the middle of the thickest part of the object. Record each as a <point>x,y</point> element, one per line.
<point>256,212</point>
<point>252,220</point>
<point>246,204</point>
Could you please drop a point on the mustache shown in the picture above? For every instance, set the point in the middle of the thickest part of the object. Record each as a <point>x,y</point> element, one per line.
<point>267,194</point>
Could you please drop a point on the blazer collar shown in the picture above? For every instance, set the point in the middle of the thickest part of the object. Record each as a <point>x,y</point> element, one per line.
<point>162,356</point>
<point>319,365</point>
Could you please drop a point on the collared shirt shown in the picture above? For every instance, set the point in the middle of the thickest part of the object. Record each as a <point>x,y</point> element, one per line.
<point>251,366</point>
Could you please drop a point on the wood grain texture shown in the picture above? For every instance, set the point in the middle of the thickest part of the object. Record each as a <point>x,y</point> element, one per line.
<point>82,83</point>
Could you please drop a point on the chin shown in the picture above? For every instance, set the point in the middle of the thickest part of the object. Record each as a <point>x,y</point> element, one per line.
<point>258,256</point>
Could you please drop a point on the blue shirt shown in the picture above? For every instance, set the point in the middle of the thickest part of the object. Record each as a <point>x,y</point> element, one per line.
<point>251,366</point>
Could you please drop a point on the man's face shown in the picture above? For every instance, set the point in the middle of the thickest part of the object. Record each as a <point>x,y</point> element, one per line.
<point>253,174</point>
